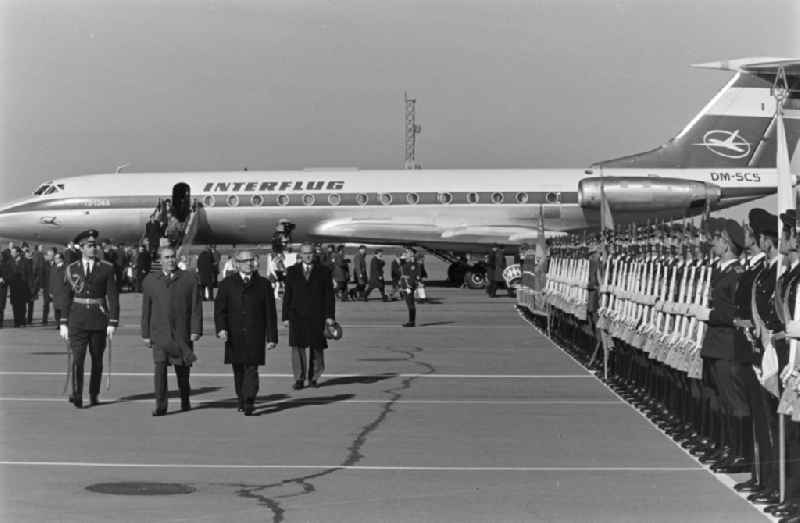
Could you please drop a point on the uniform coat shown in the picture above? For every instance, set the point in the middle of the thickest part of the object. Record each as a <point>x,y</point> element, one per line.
<point>720,338</point>
<point>360,269</point>
<point>58,287</point>
<point>172,311</point>
<point>307,304</point>
<point>100,284</point>
<point>376,272</point>
<point>247,313</point>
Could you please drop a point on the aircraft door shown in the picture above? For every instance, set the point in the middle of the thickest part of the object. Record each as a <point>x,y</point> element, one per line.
<point>181,201</point>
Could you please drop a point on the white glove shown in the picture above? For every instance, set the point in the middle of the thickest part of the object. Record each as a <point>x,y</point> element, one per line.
<point>223,335</point>
<point>63,331</point>
<point>271,345</point>
<point>110,330</point>
<point>793,329</point>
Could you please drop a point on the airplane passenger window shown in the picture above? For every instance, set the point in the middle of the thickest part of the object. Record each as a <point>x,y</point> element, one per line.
<point>444,197</point>
<point>386,198</point>
<point>309,199</point>
<point>361,199</point>
<point>334,199</point>
<point>522,197</point>
<point>473,197</point>
<point>412,198</point>
<point>233,201</point>
<point>553,197</point>
<point>209,200</point>
<point>497,197</point>
<point>283,199</point>
<point>256,200</point>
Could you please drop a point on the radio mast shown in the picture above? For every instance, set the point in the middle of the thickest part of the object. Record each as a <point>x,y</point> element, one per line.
<point>411,130</point>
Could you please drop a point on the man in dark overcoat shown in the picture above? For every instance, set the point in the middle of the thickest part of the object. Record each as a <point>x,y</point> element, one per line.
<point>308,304</point>
<point>360,271</point>
<point>90,314</point>
<point>495,268</point>
<point>172,320</point>
<point>57,286</point>
<point>340,273</point>
<point>376,265</point>
<point>246,319</point>
<point>18,276</point>
<point>207,273</point>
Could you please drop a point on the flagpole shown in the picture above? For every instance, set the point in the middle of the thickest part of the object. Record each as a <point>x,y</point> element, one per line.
<point>785,201</point>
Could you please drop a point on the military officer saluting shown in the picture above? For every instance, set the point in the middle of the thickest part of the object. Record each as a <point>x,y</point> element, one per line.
<point>90,314</point>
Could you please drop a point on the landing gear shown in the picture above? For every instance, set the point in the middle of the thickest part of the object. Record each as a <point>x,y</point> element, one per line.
<point>475,278</point>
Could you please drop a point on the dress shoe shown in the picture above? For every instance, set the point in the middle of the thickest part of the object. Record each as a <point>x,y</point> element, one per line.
<point>186,405</point>
<point>248,409</point>
<point>297,385</point>
<point>159,412</point>
<point>78,402</point>
<point>735,465</point>
<point>93,400</point>
<point>749,486</point>
<point>784,510</point>
<point>240,408</point>
<point>408,324</point>
<point>313,383</point>
<point>768,497</point>
<point>790,519</point>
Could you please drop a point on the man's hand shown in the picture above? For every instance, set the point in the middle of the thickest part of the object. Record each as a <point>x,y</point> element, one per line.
<point>271,345</point>
<point>194,336</point>
<point>285,323</point>
<point>329,321</point>
<point>742,324</point>
<point>147,342</point>
<point>63,331</point>
<point>223,335</point>
<point>110,330</point>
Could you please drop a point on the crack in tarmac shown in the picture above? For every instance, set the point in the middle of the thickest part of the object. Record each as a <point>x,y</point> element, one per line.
<point>258,492</point>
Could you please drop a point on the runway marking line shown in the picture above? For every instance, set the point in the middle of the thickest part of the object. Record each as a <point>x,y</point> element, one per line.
<point>355,401</point>
<point>288,375</point>
<point>411,468</point>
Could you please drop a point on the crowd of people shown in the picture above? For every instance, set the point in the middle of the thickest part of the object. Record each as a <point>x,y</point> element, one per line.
<point>700,327</point>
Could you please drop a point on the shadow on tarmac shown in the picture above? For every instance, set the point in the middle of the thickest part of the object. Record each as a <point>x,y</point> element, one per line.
<point>361,380</point>
<point>170,394</point>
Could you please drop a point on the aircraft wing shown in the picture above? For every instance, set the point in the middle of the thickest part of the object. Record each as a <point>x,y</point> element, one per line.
<point>398,231</point>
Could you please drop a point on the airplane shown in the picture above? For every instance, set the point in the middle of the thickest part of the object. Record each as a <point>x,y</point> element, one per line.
<point>724,156</point>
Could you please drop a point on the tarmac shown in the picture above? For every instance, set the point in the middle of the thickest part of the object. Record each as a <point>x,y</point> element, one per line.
<point>472,416</point>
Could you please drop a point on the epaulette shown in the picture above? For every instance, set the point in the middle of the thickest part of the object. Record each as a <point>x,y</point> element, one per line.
<point>737,268</point>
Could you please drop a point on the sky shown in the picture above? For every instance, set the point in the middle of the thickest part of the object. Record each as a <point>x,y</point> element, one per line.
<point>176,85</point>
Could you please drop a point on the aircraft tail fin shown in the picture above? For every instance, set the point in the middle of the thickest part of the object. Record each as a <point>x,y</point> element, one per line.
<point>736,128</point>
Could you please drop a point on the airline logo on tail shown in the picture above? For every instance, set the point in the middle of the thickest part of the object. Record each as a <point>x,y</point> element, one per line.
<point>726,144</point>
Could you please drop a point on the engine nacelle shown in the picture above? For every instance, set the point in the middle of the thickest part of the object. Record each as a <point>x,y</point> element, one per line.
<point>640,194</point>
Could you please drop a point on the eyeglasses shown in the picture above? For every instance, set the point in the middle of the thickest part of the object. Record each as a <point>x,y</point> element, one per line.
<point>246,260</point>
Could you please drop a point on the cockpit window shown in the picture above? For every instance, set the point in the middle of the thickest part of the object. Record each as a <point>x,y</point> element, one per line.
<point>48,188</point>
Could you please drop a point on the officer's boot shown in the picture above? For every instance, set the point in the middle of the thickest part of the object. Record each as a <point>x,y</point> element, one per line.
<point>95,379</point>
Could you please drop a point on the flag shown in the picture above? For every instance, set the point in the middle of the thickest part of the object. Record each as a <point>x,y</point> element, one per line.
<point>769,364</point>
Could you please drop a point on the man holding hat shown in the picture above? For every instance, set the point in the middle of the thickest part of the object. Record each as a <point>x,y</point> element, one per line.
<point>308,306</point>
<point>90,314</point>
<point>246,320</point>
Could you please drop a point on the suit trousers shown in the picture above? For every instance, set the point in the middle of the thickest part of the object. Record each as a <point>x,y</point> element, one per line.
<point>79,339</point>
<point>245,380</point>
<point>315,367</point>
<point>160,383</point>
<point>46,305</point>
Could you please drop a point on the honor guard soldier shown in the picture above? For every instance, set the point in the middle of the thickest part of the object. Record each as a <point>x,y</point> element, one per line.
<point>90,314</point>
<point>410,276</point>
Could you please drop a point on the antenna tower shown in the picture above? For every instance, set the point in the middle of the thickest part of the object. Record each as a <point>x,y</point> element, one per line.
<point>412,129</point>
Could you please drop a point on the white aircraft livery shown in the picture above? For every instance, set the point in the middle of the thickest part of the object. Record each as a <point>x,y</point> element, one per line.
<point>724,156</point>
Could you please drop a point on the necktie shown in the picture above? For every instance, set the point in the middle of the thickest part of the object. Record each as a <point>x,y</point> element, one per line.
<point>307,271</point>
<point>88,268</point>
<point>246,280</point>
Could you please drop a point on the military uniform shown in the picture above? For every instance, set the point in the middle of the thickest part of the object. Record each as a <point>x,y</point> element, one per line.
<point>91,304</point>
<point>410,276</point>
